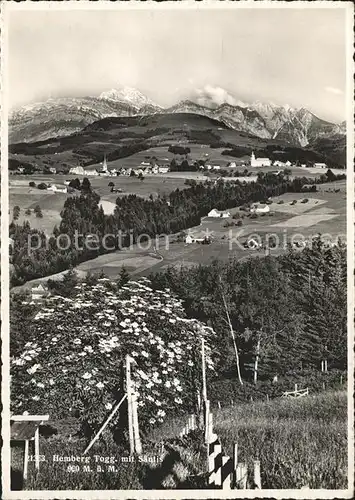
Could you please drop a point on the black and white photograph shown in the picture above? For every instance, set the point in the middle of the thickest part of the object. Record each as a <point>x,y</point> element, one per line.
<point>177,240</point>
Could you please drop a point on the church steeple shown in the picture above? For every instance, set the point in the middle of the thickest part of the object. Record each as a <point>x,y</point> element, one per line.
<point>104,164</point>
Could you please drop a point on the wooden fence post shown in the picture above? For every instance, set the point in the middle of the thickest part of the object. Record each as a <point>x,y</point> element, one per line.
<point>136,436</point>
<point>204,381</point>
<point>244,473</point>
<point>129,400</point>
<point>219,405</point>
<point>296,387</point>
<point>25,460</point>
<point>226,473</point>
<point>235,465</point>
<point>341,379</point>
<point>242,476</point>
<point>37,447</point>
<point>257,476</point>
<point>215,463</point>
<point>207,419</point>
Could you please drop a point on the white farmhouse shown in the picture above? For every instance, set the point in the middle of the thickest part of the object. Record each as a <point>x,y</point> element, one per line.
<point>216,167</point>
<point>260,209</point>
<point>320,165</point>
<point>216,213</point>
<point>57,189</point>
<point>259,162</point>
<point>77,171</point>
<point>91,172</point>
<point>163,169</point>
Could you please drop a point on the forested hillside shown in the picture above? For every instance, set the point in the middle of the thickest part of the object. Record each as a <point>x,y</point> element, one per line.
<point>287,313</point>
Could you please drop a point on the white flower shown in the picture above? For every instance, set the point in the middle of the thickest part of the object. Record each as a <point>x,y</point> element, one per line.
<point>100,385</point>
<point>33,369</point>
<point>145,354</point>
<point>172,320</point>
<point>108,406</point>
<point>178,401</point>
<point>161,413</point>
<point>152,421</point>
<point>40,385</point>
<point>87,375</point>
<point>36,398</point>
<point>190,363</point>
<point>158,403</point>
<point>167,383</point>
<point>77,341</point>
<point>25,413</point>
<point>51,381</point>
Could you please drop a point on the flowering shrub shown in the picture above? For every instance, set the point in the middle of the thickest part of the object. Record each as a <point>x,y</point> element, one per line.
<point>75,352</point>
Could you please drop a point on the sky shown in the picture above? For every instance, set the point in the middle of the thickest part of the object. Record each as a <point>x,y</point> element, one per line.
<point>284,56</point>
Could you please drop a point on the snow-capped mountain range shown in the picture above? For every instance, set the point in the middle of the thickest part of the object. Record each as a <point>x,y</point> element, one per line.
<point>65,116</point>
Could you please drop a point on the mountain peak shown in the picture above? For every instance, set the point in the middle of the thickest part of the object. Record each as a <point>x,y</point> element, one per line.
<point>128,95</point>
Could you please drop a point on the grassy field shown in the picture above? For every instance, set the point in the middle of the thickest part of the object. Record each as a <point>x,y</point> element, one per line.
<point>25,197</point>
<point>299,442</point>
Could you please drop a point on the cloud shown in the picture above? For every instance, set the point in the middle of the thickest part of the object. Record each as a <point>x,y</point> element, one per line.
<point>333,90</point>
<point>215,96</point>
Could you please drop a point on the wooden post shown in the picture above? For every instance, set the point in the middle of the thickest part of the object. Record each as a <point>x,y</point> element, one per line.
<point>235,464</point>
<point>218,469</point>
<point>257,476</point>
<point>241,476</point>
<point>137,439</point>
<point>251,399</point>
<point>204,381</point>
<point>295,387</point>
<point>267,397</point>
<point>232,402</point>
<point>129,400</point>
<point>207,412</point>
<point>226,482</point>
<point>114,411</point>
<point>325,365</point>
<point>25,460</point>
<point>244,475</point>
<point>37,447</point>
<point>219,404</point>
<point>323,385</point>
<point>341,379</point>
<point>322,366</point>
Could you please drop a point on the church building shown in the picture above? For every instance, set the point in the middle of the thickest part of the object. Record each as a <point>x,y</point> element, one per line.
<point>259,162</point>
